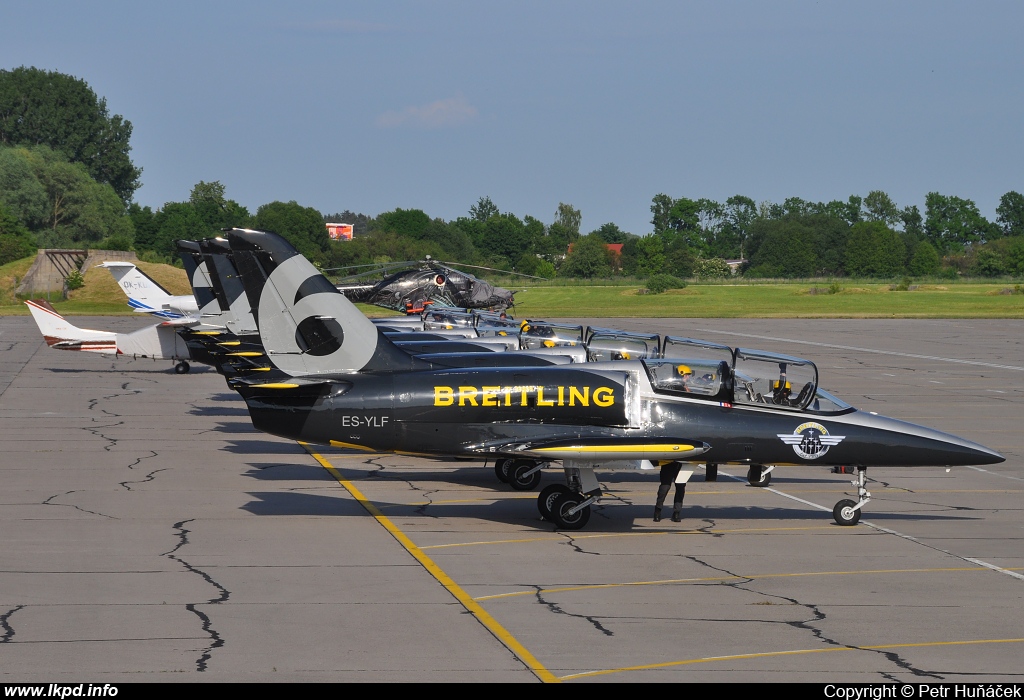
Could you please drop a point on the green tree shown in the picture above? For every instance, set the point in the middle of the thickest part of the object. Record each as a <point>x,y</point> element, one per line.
<point>951,223</point>
<point>874,250</point>
<point>411,223</point>
<point>303,227</point>
<point>661,205</point>
<point>611,233</point>
<point>649,253</point>
<point>569,218</point>
<point>483,209</point>
<point>925,261</point>
<point>589,258</point>
<point>63,112</point>
<point>878,206</point>
<point>1010,214</point>
<point>21,190</point>
<point>506,236</point>
<point>15,240</point>
<point>57,200</point>
<point>740,213</point>
<point>216,211</point>
<point>1015,255</point>
<point>784,250</point>
<point>988,262</point>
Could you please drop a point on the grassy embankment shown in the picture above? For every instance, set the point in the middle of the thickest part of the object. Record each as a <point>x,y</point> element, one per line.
<point>807,299</point>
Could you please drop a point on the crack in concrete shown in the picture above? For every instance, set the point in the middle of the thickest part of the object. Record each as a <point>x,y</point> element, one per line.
<point>72,505</point>
<point>216,640</point>
<point>558,610</point>
<point>149,477</point>
<point>6,625</point>
<point>817,616</point>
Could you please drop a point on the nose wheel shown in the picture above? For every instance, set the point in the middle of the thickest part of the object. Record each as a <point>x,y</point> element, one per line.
<point>847,512</point>
<point>181,368</point>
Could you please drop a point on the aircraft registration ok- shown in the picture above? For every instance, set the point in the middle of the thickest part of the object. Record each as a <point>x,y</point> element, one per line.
<point>643,401</point>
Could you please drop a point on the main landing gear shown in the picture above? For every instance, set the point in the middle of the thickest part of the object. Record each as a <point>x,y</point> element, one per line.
<point>568,505</point>
<point>847,512</point>
<point>181,368</point>
<point>520,474</point>
<point>759,475</point>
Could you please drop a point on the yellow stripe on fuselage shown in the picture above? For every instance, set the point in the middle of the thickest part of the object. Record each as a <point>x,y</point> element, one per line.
<point>615,448</point>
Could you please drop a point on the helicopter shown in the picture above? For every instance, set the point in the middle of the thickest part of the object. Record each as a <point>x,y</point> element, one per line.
<point>412,286</point>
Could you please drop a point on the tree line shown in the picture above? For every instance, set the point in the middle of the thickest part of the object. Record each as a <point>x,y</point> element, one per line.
<point>67,180</point>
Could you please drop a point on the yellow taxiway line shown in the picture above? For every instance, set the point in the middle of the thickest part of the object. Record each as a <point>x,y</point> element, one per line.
<point>793,652</point>
<point>751,577</point>
<point>474,608</point>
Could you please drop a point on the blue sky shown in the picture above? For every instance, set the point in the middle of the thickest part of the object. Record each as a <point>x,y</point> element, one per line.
<point>370,106</point>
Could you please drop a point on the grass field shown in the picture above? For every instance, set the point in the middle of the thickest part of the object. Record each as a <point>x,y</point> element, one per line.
<point>810,299</point>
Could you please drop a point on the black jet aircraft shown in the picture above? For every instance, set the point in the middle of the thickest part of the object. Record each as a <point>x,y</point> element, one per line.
<point>428,283</point>
<point>691,402</point>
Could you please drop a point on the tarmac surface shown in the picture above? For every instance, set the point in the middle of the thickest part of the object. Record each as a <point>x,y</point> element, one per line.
<point>149,533</point>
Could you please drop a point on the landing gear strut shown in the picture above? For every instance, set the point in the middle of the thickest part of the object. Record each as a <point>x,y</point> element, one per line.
<point>568,505</point>
<point>759,475</point>
<point>847,512</point>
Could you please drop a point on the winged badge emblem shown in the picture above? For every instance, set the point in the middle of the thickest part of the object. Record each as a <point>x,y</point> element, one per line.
<point>811,440</point>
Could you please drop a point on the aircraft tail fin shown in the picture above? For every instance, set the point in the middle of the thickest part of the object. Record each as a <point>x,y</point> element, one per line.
<point>143,292</point>
<point>307,326</point>
<point>62,335</point>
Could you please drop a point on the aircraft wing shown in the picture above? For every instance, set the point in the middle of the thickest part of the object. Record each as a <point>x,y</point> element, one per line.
<point>604,448</point>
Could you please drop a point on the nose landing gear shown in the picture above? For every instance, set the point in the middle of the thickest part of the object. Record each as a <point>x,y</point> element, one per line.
<point>847,512</point>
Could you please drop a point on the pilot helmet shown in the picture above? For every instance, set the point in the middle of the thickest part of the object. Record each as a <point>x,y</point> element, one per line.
<point>549,343</point>
<point>777,385</point>
<point>684,371</point>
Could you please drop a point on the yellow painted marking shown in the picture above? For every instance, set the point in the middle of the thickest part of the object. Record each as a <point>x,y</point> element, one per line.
<point>828,530</point>
<point>350,446</point>
<point>752,577</point>
<point>245,354</point>
<point>492,625</point>
<point>616,448</point>
<point>230,343</point>
<point>207,332</point>
<point>793,652</point>
<point>278,385</point>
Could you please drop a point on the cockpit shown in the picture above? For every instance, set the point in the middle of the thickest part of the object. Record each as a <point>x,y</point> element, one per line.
<point>703,370</point>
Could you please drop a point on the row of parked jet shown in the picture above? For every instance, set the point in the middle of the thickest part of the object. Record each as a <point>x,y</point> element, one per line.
<point>521,394</point>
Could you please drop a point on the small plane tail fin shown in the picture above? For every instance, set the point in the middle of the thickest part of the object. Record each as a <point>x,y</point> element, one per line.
<point>307,326</point>
<point>62,335</point>
<point>143,292</point>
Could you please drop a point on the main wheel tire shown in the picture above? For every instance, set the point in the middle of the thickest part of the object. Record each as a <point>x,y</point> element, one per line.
<point>756,476</point>
<point>560,512</point>
<point>518,479</point>
<point>711,472</point>
<point>548,495</point>
<point>845,514</point>
<point>501,470</point>
<point>181,368</point>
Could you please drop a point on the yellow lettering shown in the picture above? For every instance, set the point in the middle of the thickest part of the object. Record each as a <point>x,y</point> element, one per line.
<point>603,396</point>
<point>561,396</point>
<point>443,396</point>
<point>540,398</point>
<point>488,395</point>
<point>467,393</point>
<point>523,391</point>
<point>574,394</point>
<point>508,395</point>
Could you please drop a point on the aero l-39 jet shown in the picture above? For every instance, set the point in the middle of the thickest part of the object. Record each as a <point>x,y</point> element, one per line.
<point>351,386</point>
